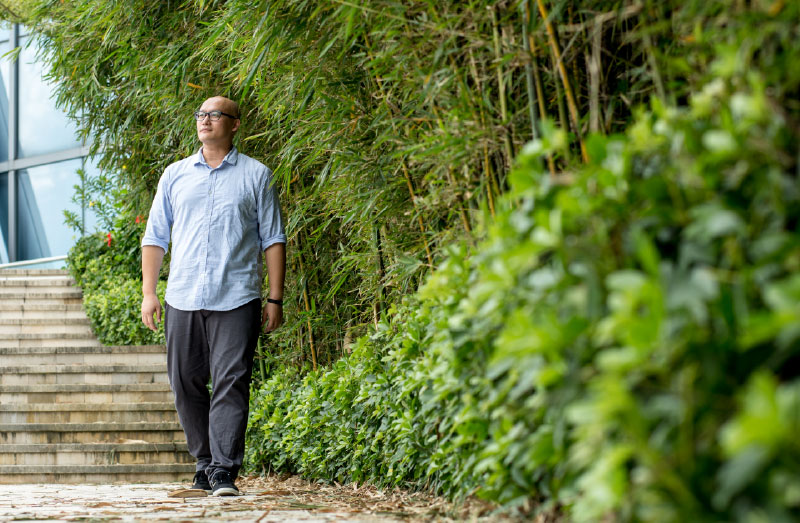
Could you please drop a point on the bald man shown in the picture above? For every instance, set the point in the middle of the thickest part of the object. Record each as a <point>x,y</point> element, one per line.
<point>220,210</point>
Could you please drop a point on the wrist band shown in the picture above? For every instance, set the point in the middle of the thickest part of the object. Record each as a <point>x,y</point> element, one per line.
<point>276,302</point>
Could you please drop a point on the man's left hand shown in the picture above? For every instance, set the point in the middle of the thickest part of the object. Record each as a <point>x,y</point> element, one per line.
<point>272,317</point>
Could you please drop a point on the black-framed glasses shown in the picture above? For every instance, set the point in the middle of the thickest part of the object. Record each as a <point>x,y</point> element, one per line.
<point>214,115</point>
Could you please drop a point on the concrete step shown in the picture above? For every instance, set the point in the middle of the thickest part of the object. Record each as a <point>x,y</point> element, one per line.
<point>90,355</point>
<point>101,432</point>
<point>9,317</point>
<point>27,282</point>
<point>27,300</point>
<point>96,474</point>
<point>86,393</point>
<point>38,293</point>
<point>47,319</point>
<point>49,307</point>
<point>86,374</point>
<point>49,342</point>
<point>92,454</point>
<point>88,413</point>
<point>34,272</point>
<point>49,331</point>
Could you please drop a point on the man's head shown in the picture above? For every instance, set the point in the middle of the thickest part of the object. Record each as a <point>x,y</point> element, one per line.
<point>218,133</point>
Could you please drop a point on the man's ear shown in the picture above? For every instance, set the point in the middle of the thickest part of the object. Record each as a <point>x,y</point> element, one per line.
<point>236,125</point>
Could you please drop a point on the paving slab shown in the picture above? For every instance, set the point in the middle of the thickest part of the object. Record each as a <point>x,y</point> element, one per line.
<point>150,502</point>
<point>271,498</point>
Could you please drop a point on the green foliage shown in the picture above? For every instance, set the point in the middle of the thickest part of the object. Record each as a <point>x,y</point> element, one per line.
<point>620,345</point>
<point>622,341</point>
<point>357,107</point>
<point>109,276</point>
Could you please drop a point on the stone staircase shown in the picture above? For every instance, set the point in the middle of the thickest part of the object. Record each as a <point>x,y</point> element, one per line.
<point>71,409</point>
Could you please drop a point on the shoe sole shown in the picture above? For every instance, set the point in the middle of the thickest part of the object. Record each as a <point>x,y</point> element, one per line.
<point>226,491</point>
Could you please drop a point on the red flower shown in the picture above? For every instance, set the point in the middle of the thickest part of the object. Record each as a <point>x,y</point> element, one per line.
<point>109,239</point>
<point>138,218</point>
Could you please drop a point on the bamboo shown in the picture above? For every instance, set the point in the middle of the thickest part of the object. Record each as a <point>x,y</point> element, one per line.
<point>306,300</point>
<point>537,80</point>
<point>308,322</point>
<point>526,20</point>
<point>501,90</point>
<point>381,267</point>
<point>487,172</point>
<point>593,63</point>
<point>461,211</point>
<point>573,108</point>
<point>410,186</point>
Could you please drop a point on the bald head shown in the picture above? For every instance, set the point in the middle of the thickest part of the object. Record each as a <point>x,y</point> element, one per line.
<point>221,102</point>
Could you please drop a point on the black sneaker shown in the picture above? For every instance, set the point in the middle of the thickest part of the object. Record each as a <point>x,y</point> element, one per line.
<point>200,481</point>
<point>222,484</point>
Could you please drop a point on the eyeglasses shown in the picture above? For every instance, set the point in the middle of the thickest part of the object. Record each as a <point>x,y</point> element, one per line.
<point>214,115</point>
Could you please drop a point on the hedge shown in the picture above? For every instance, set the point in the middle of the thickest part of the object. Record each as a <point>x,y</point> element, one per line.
<point>623,344</point>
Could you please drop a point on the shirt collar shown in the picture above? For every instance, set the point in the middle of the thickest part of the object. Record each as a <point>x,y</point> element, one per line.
<point>231,158</point>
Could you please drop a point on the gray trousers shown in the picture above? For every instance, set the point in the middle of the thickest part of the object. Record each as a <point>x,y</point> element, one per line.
<point>220,345</point>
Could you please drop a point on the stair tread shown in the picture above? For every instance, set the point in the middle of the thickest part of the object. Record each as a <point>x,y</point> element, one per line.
<point>95,469</point>
<point>75,368</point>
<point>38,448</point>
<point>32,322</point>
<point>87,387</point>
<point>87,349</point>
<point>102,426</point>
<point>87,407</point>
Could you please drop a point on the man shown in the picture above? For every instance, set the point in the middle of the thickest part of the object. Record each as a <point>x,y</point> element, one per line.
<point>221,212</point>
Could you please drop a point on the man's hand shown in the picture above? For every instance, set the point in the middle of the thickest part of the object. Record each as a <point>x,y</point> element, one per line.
<point>272,316</point>
<point>150,306</point>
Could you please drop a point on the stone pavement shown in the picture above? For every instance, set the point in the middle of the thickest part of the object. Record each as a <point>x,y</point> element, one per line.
<point>143,502</point>
<point>270,499</point>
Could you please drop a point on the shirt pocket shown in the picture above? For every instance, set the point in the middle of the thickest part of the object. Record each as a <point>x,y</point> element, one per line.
<point>237,216</point>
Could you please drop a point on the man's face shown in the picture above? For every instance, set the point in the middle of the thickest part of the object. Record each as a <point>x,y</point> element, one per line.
<point>218,132</point>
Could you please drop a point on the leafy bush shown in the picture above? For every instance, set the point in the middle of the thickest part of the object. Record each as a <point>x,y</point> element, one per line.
<point>620,345</point>
<point>109,272</point>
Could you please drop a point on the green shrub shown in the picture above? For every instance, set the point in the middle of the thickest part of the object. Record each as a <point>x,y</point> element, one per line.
<point>110,275</point>
<point>114,312</point>
<point>620,345</point>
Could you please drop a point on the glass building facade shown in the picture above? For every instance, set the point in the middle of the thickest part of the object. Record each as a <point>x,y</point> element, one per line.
<point>40,155</point>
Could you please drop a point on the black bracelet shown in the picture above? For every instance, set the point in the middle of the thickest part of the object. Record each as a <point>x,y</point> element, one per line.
<point>276,302</point>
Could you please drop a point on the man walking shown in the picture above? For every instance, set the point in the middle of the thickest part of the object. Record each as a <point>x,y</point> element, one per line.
<point>221,212</point>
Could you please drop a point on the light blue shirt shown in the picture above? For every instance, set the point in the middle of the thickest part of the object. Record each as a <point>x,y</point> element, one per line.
<point>221,219</point>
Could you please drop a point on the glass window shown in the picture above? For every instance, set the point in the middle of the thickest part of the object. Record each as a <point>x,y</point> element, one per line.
<point>43,128</point>
<point>43,193</point>
<point>5,74</point>
<point>3,217</point>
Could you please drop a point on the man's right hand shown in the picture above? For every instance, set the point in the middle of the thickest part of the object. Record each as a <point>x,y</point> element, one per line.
<point>150,306</point>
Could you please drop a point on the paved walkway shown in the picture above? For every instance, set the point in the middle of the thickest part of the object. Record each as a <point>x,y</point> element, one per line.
<point>263,500</point>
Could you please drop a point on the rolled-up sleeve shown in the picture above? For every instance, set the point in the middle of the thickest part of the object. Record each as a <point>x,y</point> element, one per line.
<point>159,222</point>
<point>270,220</point>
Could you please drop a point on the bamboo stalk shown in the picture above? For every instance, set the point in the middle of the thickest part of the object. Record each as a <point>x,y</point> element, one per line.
<point>410,186</point>
<point>461,211</point>
<point>381,267</point>
<point>308,322</point>
<point>593,64</point>
<point>501,89</point>
<point>651,59</point>
<point>487,172</point>
<point>537,80</point>
<point>306,301</point>
<point>573,108</point>
<point>526,20</point>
